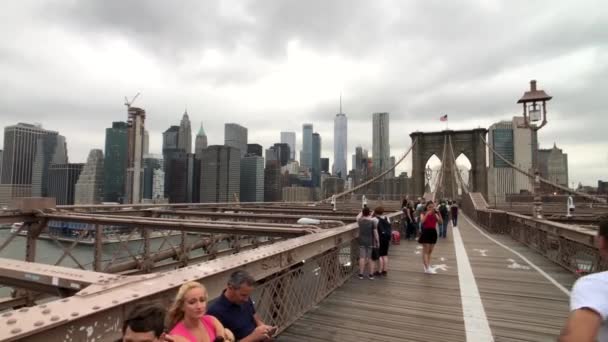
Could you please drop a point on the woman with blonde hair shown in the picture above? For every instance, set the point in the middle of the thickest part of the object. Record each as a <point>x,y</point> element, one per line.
<point>187,319</point>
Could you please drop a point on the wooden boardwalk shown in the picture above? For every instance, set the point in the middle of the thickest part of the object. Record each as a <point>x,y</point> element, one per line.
<point>520,303</point>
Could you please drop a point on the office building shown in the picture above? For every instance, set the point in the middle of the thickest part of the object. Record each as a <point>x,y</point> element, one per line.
<point>115,162</point>
<point>332,185</point>
<point>289,138</point>
<point>62,179</point>
<point>255,149</point>
<point>325,165</point>
<point>89,187</point>
<point>282,153</point>
<point>135,154</point>
<point>184,141</point>
<point>176,175</point>
<point>296,194</point>
<point>220,174</point>
<point>391,163</point>
<point>252,178</point>
<point>306,152</point>
<point>28,153</point>
<point>171,138</point>
<point>151,164</point>
<point>340,145</point>
<point>380,142</point>
<point>272,180</point>
<point>201,140</point>
<point>146,142</point>
<point>316,160</point>
<point>553,166</point>
<point>235,136</point>
<point>158,184</point>
<point>515,143</point>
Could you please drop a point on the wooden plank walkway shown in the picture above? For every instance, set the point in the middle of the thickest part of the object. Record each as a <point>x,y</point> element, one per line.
<point>408,305</point>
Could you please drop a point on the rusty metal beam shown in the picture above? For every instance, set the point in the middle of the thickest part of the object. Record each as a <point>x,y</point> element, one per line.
<point>47,278</point>
<point>197,227</point>
<point>103,307</point>
<point>258,217</point>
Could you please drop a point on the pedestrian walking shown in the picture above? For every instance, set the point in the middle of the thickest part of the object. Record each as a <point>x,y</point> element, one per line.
<point>428,238</point>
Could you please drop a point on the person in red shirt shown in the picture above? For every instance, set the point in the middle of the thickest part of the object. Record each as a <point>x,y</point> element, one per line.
<point>428,238</point>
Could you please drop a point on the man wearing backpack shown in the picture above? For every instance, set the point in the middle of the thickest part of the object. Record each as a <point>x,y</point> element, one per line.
<point>383,225</point>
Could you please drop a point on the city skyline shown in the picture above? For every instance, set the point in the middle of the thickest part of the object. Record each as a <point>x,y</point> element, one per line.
<point>253,77</point>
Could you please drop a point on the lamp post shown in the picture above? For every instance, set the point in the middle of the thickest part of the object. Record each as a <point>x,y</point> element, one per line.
<point>535,118</point>
<point>428,174</point>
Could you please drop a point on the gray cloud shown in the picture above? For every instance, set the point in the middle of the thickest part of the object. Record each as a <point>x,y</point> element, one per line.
<point>470,59</point>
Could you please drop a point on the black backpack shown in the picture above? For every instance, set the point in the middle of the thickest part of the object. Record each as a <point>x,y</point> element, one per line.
<point>384,228</point>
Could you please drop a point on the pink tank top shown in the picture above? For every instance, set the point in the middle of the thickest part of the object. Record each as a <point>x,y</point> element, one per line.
<point>180,329</point>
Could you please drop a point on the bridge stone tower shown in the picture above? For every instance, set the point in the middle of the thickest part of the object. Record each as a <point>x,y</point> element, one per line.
<point>468,143</point>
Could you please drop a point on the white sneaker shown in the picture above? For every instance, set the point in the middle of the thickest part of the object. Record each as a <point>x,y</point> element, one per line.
<point>426,270</point>
<point>431,270</point>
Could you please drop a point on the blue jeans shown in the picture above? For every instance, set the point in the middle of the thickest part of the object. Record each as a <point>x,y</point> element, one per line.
<point>443,229</point>
<point>454,221</point>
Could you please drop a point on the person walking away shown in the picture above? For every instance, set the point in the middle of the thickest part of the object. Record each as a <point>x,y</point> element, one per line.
<point>454,213</point>
<point>384,229</point>
<point>368,239</point>
<point>419,211</point>
<point>588,320</point>
<point>445,218</point>
<point>428,238</point>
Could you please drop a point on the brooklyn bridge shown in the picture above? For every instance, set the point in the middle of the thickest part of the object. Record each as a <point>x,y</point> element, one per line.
<point>503,273</point>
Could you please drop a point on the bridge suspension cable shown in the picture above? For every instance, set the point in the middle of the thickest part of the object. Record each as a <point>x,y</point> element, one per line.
<point>439,181</point>
<point>542,180</point>
<point>457,175</point>
<point>382,174</point>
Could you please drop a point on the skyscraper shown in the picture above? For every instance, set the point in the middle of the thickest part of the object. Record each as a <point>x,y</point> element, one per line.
<point>289,138</point>
<point>62,179</point>
<point>115,162</point>
<point>553,165</point>
<point>151,164</point>
<point>89,188</point>
<point>184,140</point>
<point>380,142</point>
<point>50,149</point>
<point>146,142</point>
<point>1,155</point>
<point>255,149</point>
<point>135,153</point>
<point>235,136</point>
<point>201,140</point>
<point>176,175</point>
<point>282,153</point>
<point>514,143</point>
<point>306,153</point>
<point>220,174</point>
<point>340,145</point>
<point>316,160</point>
<point>272,177</point>
<point>22,144</point>
<point>252,178</point>
<point>325,165</point>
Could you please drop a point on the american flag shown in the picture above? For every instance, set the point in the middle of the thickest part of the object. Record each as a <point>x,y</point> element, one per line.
<point>443,118</point>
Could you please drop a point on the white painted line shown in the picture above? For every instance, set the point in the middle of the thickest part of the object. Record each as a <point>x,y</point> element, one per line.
<point>538,269</point>
<point>476,324</point>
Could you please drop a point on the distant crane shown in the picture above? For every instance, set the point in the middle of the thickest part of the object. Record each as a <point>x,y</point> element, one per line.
<point>129,103</point>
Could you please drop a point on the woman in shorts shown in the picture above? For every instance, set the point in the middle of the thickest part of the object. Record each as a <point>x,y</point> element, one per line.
<point>428,238</point>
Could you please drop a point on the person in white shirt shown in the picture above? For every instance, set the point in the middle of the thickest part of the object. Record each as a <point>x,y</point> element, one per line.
<point>589,301</point>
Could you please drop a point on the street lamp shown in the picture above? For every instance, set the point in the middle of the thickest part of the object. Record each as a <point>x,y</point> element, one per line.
<point>428,174</point>
<point>535,118</point>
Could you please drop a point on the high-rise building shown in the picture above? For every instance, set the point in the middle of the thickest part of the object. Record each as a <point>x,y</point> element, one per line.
<point>316,160</point>
<point>115,162</point>
<point>151,164</point>
<point>391,163</point>
<point>146,142</point>
<point>135,154</point>
<point>89,188</point>
<point>184,140</point>
<point>62,179</point>
<point>340,145</point>
<point>296,194</point>
<point>235,136</point>
<point>272,178</point>
<point>50,149</point>
<point>289,138</point>
<point>306,153</point>
<point>515,143</point>
<point>325,165</point>
<point>201,140</point>
<point>220,174</point>
<point>380,142</point>
<point>28,152</point>
<point>282,152</point>
<point>171,138</point>
<point>332,185</point>
<point>252,178</point>
<point>254,149</point>
<point>553,166</point>
<point>176,175</point>
<point>158,184</point>
<point>1,155</point>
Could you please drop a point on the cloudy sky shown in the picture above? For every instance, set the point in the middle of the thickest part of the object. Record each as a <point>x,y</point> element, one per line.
<point>274,65</point>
